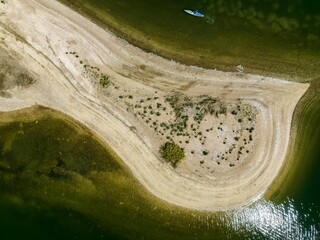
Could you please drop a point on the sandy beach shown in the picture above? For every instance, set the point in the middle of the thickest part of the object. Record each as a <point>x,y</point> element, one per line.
<point>66,54</point>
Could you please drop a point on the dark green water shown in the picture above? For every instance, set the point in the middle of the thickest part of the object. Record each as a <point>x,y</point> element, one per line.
<point>272,37</point>
<point>58,181</point>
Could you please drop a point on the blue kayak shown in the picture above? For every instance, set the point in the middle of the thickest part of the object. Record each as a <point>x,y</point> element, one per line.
<point>194,13</point>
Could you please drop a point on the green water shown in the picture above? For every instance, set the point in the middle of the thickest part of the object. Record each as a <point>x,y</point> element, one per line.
<point>277,38</point>
<point>59,181</point>
<point>304,153</point>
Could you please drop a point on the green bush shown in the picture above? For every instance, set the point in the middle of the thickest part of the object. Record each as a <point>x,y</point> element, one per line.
<point>172,153</point>
<point>104,81</point>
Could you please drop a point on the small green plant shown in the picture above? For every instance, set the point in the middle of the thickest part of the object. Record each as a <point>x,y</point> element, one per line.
<point>172,152</point>
<point>104,81</point>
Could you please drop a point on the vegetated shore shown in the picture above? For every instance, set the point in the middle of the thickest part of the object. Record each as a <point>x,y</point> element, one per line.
<point>68,56</point>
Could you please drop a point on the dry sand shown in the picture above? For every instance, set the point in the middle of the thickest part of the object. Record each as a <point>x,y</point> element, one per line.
<point>38,33</point>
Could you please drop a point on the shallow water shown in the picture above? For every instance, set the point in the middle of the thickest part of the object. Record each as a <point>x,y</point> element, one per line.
<point>272,37</point>
<point>57,181</point>
<point>50,188</point>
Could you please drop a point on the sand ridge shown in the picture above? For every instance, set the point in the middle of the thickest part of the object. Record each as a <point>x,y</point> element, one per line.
<point>39,33</point>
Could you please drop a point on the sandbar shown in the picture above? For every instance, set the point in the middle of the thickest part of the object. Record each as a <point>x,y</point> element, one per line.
<point>53,42</point>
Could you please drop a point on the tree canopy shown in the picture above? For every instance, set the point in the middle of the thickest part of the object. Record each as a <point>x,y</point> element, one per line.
<point>172,153</point>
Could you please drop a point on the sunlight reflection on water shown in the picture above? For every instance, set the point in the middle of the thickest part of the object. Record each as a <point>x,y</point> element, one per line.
<point>266,220</point>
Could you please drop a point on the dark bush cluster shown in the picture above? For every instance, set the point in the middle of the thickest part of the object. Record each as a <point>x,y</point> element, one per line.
<point>172,153</point>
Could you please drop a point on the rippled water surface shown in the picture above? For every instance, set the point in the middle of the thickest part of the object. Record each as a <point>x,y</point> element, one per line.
<point>266,220</point>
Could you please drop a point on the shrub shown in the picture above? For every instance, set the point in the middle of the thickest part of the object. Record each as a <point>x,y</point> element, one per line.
<point>104,81</point>
<point>172,153</point>
<point>234,112</point>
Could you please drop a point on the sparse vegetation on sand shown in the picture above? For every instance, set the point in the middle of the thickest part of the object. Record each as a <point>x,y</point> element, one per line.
<point>217,132</point>
<point>92,71</point>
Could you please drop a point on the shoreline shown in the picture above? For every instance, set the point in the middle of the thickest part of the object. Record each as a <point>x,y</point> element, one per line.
<point>60,81</point>
<point>264,66</point>
<point>303,118</point>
